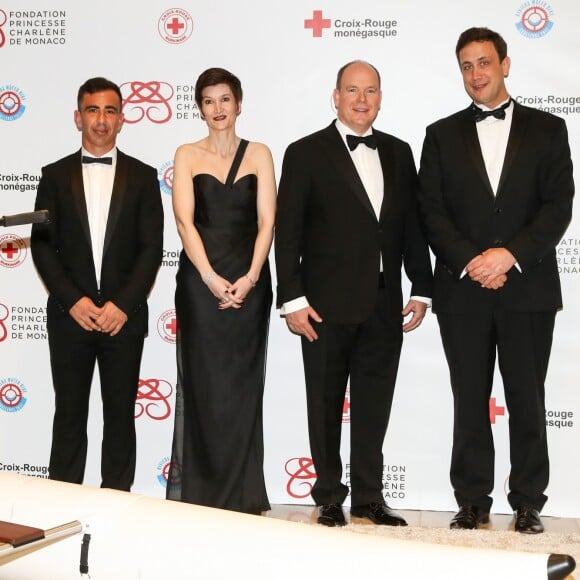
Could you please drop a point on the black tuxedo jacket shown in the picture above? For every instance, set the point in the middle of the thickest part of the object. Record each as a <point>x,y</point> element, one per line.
<point>328,238</point>
<point>528,215</point>
<point>133,244</point>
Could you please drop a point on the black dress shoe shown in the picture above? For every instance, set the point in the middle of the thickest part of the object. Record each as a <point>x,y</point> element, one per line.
<point>468,518</point>
<point>331,514</point>
<point>379,513</point>
<point>528,521</point>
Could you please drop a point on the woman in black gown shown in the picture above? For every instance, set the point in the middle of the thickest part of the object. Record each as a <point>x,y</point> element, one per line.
<point>224,198</point>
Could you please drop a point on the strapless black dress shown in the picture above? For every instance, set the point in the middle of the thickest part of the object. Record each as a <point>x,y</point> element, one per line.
<point>218,450</point>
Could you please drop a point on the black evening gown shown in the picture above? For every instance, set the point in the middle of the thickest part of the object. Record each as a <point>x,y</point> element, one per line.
<point>218,450</point>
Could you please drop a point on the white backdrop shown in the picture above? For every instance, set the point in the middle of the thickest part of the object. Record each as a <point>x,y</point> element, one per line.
<point>286,55</point>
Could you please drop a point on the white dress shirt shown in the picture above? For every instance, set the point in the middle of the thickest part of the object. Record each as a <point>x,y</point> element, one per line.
<point>98,184</point>
<point>368,166</point>
<point>493,137</point>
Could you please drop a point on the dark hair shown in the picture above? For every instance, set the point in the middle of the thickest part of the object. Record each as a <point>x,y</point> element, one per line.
<point>344,67</point>
<point>482,34</point>
<point>218,76</point>
<point>97,85</point>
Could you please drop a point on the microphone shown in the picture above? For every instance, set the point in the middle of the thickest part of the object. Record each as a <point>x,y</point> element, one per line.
<point>33,217</point>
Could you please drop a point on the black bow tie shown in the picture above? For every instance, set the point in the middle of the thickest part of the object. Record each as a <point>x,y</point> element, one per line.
<point>480,115</point>
<point>353,141</point>
<point>105,160</point>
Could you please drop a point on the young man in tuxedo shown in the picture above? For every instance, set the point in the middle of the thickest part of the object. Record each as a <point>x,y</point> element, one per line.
<point>496,198</point>
<point>347,221</point>
<point>98,258</point>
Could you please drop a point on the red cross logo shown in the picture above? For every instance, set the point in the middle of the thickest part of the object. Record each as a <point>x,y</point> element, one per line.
<point>317,23</point>
<point>171,326</point>
<point>494,410</point>
<point>12,250</point>
<point>9,250</point>
<point>175,26</point>
<point>167,326</point>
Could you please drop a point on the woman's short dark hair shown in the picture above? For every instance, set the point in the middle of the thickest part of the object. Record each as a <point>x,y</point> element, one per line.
<point>218,76</point>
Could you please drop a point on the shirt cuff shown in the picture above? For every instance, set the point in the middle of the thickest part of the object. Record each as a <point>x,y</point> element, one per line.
<point>294,305</point>
<point>423,299</point>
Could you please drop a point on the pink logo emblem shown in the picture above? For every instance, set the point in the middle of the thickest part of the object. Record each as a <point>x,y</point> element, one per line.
<point>149,100</point>
<point>302,476</point>
<point>3,316</point>
<point>153,399</point>
<point>3,19</point>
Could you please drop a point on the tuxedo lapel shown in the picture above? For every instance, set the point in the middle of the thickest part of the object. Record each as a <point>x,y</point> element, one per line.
<point>469,132</point>
<point>337,154</point>
<point>119,188</point>
<point>78,192</point>
<point>387,163</point>
<point>517,130</point>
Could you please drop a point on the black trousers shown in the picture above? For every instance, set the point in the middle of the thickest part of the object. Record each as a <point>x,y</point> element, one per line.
<point>73,358</point>
<point>368,353</point>
<point>522,342</point>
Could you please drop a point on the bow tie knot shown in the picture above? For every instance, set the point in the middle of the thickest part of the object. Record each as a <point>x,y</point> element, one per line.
<point>105,160</point>
<point>353,141</point>
<point>480,114</point>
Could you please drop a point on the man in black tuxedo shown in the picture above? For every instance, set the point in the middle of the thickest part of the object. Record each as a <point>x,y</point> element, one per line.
<point>496,197</point>
<point>98,258</point>
<point>347,220</point>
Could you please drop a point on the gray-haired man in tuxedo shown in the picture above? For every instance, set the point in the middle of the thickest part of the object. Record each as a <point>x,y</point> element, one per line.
<point>347,222</point>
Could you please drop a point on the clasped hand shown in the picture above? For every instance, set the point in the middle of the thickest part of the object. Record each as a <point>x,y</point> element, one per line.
<point>490,267</point>
<point>230,295</point>
<point>108,319</point>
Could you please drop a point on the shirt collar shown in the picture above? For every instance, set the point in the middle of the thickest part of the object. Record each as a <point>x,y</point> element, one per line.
<point>344,130</point>
<point>484,108</point>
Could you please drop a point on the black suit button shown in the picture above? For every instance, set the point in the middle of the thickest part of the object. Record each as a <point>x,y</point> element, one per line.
<point>497,242</point>
<point>497,210</point>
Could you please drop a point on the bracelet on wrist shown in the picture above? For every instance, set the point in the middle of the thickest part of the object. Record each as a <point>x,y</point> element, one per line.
<point>252,281</point>
<point>208,277</point>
